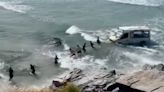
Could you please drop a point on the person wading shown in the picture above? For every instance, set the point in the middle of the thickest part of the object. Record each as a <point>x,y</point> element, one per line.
<point>56,59</point>
<point>32,67</point>
<point>92,45</point>
<point>98,41</point>
<point>84,48</point>
<point>72,52</point>
<point>11,73</point>
<point>78,49</point>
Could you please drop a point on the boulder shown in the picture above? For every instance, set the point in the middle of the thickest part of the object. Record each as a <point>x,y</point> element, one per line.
<point>93,83</point>
<point>159,67</point>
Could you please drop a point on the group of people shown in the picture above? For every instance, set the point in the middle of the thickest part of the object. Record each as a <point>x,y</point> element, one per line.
<point>11,71</point>
<point>73,53</point>
<point>79,50</point>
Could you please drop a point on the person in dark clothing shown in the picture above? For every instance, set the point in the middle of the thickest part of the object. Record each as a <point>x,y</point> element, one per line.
<point>32,67</point>
<point>72,52</point>
<point>98,41</point>
<point>92,45</point>
<point>78,49</point>
<point>56,59</point>
<point>84,48</point>
<point>11,73</point>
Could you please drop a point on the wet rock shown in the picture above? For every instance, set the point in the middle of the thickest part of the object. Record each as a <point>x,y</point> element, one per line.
<point>99,84</point>
<point>57,83</point>
<point>147,67</point>
<point>76,74</point>
<point>159,67</point>
<point>93,83</point>
<point>146,80</point>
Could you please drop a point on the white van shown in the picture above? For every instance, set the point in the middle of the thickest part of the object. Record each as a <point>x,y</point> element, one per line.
<point>134,35</point>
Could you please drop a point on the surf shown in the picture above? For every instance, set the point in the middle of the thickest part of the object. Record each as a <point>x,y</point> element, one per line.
<point>15,6</point>
<point>153,3</point>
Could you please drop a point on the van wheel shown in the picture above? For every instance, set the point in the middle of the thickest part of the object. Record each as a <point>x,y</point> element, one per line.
<point>142,43</point>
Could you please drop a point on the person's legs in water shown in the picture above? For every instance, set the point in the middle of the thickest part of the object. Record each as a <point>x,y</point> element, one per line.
<point>78,49</point>
<point>84,48</point>
<point>32,67</point>
<point>11,71</point>
<point>92,45</point>
<point>72,52</point>
<point>98,41</point>
<point>56,59</point>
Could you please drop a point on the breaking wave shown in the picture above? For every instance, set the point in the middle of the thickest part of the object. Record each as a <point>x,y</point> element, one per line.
<point>91,35</point>
<point>66,61</point>
<point>153,3</point>
<point>15,6</point>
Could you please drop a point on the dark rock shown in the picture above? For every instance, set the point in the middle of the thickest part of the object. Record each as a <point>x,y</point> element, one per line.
<point>113,72</point>
<point>75,75</point>
<point>160,67</point>
<point>57,83</point>
<point>147,67</point>
<point>97,83</point>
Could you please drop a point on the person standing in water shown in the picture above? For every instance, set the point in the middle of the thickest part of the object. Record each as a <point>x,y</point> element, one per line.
<point>32,67</point>
<point>11,73</point>
<point>84,48</point>
<point>56,59</point>
<point>98,41</point>
<point>72,52</point>
<point>78,49</point>
<point>92,45</point>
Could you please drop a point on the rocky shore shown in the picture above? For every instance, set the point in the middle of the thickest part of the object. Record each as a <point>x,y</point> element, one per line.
<point>149,79</point>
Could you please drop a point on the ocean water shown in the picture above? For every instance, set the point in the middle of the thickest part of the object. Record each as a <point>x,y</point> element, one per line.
<point>27,27</point>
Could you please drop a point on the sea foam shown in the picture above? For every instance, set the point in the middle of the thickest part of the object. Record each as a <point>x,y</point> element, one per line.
<point>15,6</point>
<point>153,3</point>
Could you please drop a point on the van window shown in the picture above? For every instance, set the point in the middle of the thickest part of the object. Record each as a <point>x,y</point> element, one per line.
<point>140,34</point>
<point>125,35</point>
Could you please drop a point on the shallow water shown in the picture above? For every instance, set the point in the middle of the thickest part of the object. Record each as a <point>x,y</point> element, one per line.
<point>27,27</point>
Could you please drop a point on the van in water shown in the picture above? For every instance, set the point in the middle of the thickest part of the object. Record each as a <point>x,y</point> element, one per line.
<point>133,35</point>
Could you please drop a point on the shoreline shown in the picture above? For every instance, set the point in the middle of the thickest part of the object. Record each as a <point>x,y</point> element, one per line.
<point>149,79</point>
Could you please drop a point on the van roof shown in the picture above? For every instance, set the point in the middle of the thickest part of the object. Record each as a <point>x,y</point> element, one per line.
<point>134,28</point>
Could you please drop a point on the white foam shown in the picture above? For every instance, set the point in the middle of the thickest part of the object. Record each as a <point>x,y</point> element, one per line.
<point>66,47</point>
<point>142,59</point>
<point>66,61</point>
<point>154,3</point>
<point>15,6</point>
<point>88,37</point>
<point>91,35</point>
<point>73,30</point>
<point>1,65</point>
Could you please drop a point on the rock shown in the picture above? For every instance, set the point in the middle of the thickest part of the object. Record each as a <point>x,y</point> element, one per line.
<point>160,67</point>
<point>55,84</point>
<point>146,80</point>
<point>147,67</point>
<point>93,83</point>
<point>76,74</point>
<point>116,89</point>
<point>99,84</point>
<point>150,79</point>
